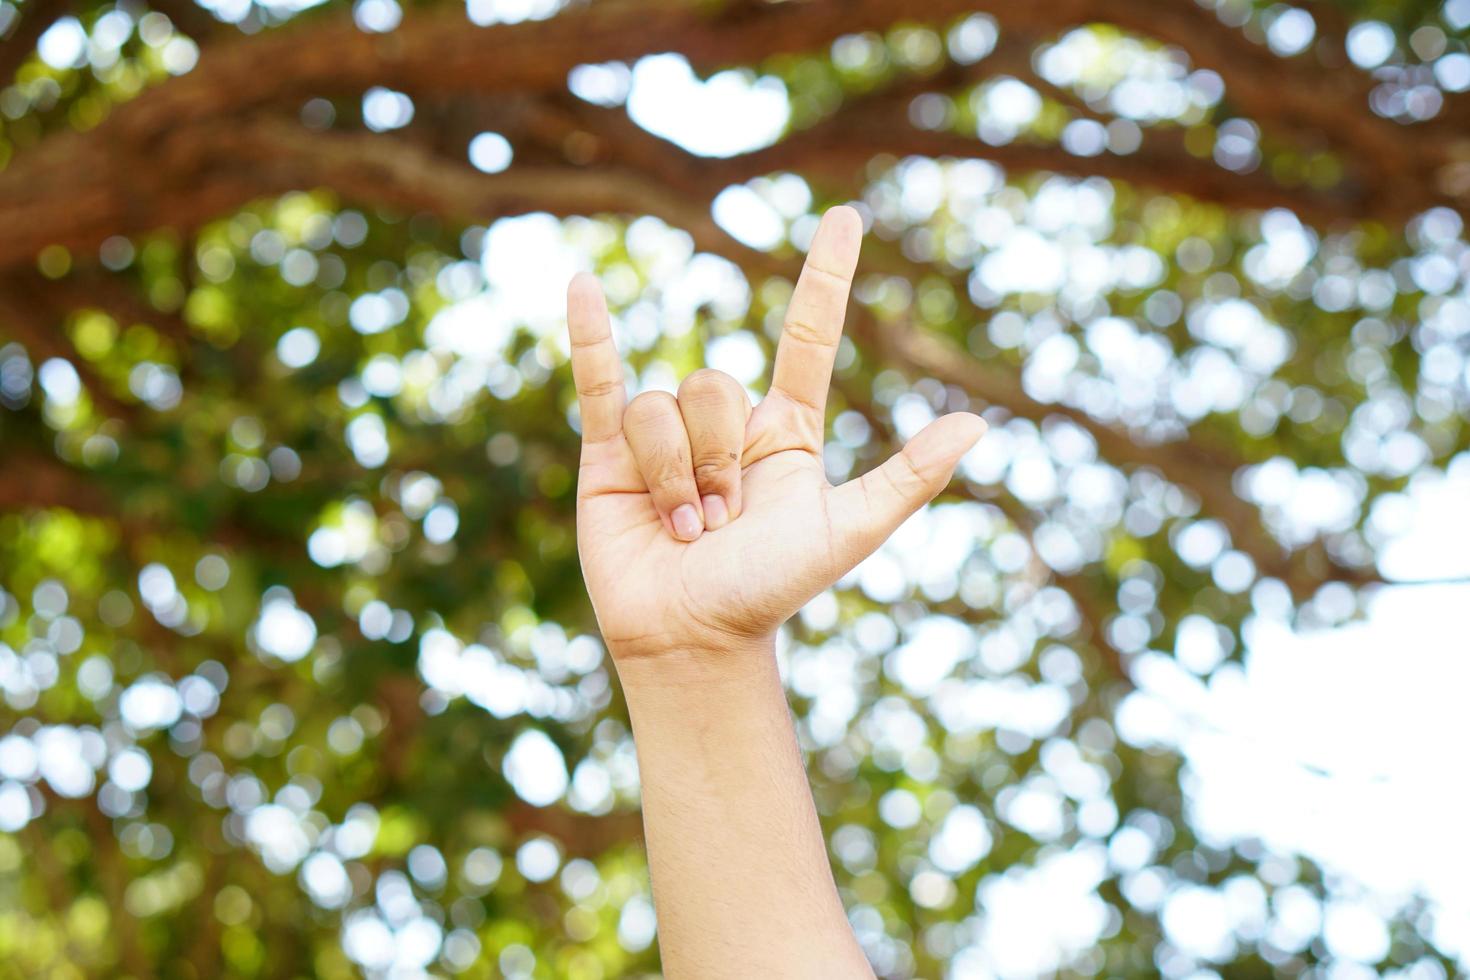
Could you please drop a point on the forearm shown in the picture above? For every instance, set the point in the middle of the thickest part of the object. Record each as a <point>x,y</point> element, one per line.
<point>698,515</point>
<point>741,878</point>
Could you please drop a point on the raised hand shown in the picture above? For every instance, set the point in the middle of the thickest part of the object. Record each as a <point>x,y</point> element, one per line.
<point>702,523</point>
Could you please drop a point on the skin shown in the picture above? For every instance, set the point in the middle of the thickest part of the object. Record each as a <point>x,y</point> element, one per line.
<point>702,526</point>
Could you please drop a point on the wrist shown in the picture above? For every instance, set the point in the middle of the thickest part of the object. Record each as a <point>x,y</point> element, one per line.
<point>689,644</point>
<point>702,661</point>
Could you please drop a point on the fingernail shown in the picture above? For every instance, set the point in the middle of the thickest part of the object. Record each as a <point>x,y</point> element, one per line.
<point>686,522</point>
<point>716,514</point>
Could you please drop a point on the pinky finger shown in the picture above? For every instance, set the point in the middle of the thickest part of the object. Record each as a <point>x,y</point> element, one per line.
<point>596,368</point>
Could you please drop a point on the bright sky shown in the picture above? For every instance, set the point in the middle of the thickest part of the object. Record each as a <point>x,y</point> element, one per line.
<point>1347,744</point>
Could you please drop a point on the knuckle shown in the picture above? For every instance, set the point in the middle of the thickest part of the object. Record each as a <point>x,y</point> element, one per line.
<point>799,328</point>
<point>599,388</point>
<point>715,466</point>
<point>708,384</point>
<point>905,477</point>
<point>587,343</point>
<point>830,276</point>
<point>669,482</point>
<point>665,468</point>
<point>800,416</point>
<point>647,406</point>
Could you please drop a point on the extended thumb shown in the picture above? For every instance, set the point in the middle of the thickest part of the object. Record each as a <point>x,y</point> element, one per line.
<point>867,510</point>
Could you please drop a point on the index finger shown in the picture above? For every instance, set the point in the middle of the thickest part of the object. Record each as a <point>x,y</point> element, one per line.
<point>597,371</point>
<point>814,316</point>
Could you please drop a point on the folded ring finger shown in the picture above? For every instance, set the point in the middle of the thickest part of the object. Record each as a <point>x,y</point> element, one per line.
<point>656,434</point>
<point>715,409</point>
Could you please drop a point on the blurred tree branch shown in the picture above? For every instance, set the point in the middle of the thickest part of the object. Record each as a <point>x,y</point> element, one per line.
<point>114,876</point>
<point>90,180</point>
<point>172,165</point>
<point>29,24</point>
<point>214,168</point>
<point>842,145</point>
<point>1189,465</point>
<point>193,20</point>
<point>24,317</point>
<point>226,165</point>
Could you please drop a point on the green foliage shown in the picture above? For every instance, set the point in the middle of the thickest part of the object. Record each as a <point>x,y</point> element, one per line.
<point>288,564</point>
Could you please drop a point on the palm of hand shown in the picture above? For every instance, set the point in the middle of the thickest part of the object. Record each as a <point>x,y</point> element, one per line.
<point>710,580</point>
<point>742,580</point>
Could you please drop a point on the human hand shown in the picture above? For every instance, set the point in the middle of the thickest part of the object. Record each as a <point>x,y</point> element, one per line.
<point>702,524</point>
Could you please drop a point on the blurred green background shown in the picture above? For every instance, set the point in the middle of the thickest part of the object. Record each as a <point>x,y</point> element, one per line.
<point>299,675</point>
